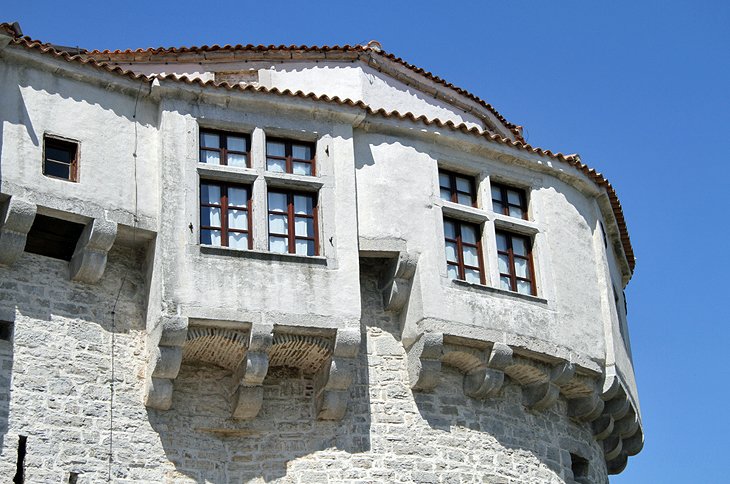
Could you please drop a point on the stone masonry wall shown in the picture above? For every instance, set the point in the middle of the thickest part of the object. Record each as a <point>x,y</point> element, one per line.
<point>60,399</point>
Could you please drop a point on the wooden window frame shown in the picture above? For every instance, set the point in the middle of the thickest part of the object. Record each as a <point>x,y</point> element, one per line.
<point>460,244</point>
<point>224,206</point>
<point>454,191</point>
<point>223,142</point>
<point>71,147</point>
<point>513,270</point>
<point>288,158</point>
<point>291,236</point>
<point>504,200</point>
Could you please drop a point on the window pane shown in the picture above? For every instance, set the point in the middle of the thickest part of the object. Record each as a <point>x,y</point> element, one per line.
<point>58,154</point>
<point>468,234</point>
<point>278,224</point>
<point>210,157</point>
<point>278,166</point>
<point>237,196</point>
<point>498,207</point>
<point>61,170</point>
<point>299,168</point>
<point>304,247</point>
<point>496,193</point>
<point>278,244</point>
<point>210,237</point>
<point>445,194</point>
<point>464,199</point>
<point>209,140</point>
<point>277,202</point>
<point>471,257</point>
<point>237,160</point>
<point>451,254</point>
<point>238,241</point>
<point>502,242</point>
<point>523,287</point>
<point>503,264</point>
<point>519,245</point>
<point>238,219</point>
<point>463,185</point>
<point>444,180</point>
<point>452,272</point>
<point>236,144</point>
<point>210,216</point>
<point>516,212</point>
<point>513,197</point>
<point>522,269</point>
<point>210,194</point>
<point>504,283</point>
<point>303,205</point>
<point>449,230</point>
<point>301,152</point>
<point>274,148</point>
<point>472,276</point>
<point>303,227</point>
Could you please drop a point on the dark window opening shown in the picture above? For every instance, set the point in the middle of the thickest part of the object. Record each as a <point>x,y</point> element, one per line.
<point>60,159</point>
<point>73,477</point>
<point>20,465</point>
<point>53,237</point>
<point>579,466</point>
<point>603,234</point>
<point>6,330</point>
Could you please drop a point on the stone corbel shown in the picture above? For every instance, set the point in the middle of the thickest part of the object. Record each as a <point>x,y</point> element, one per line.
<point>16,219</point>
<point>424,361</point>
<point>89,259</point>
<point>487,381</point>
<point>333,381</point>
<point>586,409</point>
<point>164,362</point>
<point>396,281</point>
<point>249,395</point>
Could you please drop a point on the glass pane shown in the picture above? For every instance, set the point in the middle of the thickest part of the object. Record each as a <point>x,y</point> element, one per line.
<point>471,257</point>
<point>238,219</point>
<point>519,246</point>
<point>516,212</point>
<point>274,148</point>
<point>504,283</point>
<point>210,216</point>
<point>472,276</point>
<point>210,237</point>
<point>210,157</point>
<point>278,224</point>
<point>502,242</point>
<point>497,207</point>
<point>236,144</point>
<point>513,197</point>
<point>464,199</point>
<point>451,254</point>
<point>210,140</point>
<point>503,264</point>
<point>303,205</point>
<point>237,160</point>
<point>523,287</point>
<point>449,230</point>
<point>210,194</point>
<point>278,166</point>
<point>304,247</point>
<point>444,180</point>
<point>301,152</point>
<point>277,202</point>
<point>463,185</point>
<point>303,227</point>
<point>57,154</point>
<point>452,272</point>
<point>238,241</point>
<point>61,170</point>
<point>278,244</point>
<point>298,168</point>
<point>496,194</point>
<point>468,234</point>
<point>446,194</point>
<point>522,269</point>
<point>237,196</point>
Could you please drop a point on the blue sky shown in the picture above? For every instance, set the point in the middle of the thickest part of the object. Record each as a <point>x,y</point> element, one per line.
<point>639,89</point>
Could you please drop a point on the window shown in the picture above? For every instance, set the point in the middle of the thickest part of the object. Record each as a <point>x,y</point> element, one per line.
<point>60,159</point>
<point>509,201</point>
<point>457,188</point>
<point>580,468</point>
<point>225,215</point>
<point>514,253</point>
<point>463,251</point>
<point>221,148</point>
<point>293,223</point>
<point>53,237</point>
<point>294,157</point>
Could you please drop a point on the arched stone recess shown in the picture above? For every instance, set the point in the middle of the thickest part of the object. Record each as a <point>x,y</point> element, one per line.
<point>16,219</point>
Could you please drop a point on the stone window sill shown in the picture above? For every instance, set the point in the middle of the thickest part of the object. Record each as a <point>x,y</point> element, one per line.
<point>226,173</point>
<point>312,260</point>
<point>494,290</point>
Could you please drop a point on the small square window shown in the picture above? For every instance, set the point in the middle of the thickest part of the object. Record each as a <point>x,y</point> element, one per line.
<point>514,261</point>
<point>463,251</point>
<point>293,222</point>
<point>457,188</point>
<point>60,159</point>
<point>509,201</point>
<point>286,156</point>
<point>222,148</point>
<point>225,215</point>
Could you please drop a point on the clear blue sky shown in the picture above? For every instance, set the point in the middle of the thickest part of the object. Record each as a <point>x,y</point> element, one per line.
<point>639,89</point>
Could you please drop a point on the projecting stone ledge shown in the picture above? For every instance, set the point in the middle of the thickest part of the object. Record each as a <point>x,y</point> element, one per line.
<point>89,259</point>
<point>16,219</point>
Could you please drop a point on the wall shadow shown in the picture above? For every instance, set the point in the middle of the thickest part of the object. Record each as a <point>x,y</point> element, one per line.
<point>7,321</point>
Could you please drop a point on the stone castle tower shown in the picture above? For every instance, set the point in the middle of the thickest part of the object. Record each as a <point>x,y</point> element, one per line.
<point>298,264</point>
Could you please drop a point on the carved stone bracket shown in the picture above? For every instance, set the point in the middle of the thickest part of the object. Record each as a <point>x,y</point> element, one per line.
<point>624,436</point>
<point>333,381</point>
<point>89,259</point>
<point>165,358</point>
<point>424,361</point>
<point>16,219</point>
<point>486,381</point>
<point>250,374</point>
<point>396,281</point>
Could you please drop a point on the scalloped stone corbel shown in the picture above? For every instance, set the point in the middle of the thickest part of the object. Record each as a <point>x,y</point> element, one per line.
<point>164,362</point>
<point>540,396</point>
<point>249,394</point>
<point>424,361</point>
<point>487,381</point>
<point>397,279</point>
<point>16,219</point>
<point>334,380</point>
<point>89,259</point>
<point>585,409</point>
<point>634,444</point>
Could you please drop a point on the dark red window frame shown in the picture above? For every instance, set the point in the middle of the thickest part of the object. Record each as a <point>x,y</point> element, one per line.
<point>70,148</point>
<point>291,220</point>
<point>224,206</point>
<point>504,199</point>
<point>223,150</point>
<point>453,187</point>
<point>288,158</point>
<point>510,253</point>
<point>460,244</point>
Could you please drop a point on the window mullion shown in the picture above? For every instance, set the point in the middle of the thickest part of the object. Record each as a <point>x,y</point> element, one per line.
<point>224,215</point>
<point>290,218</point>
<point>512,269</point>
<point>460,255</point>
